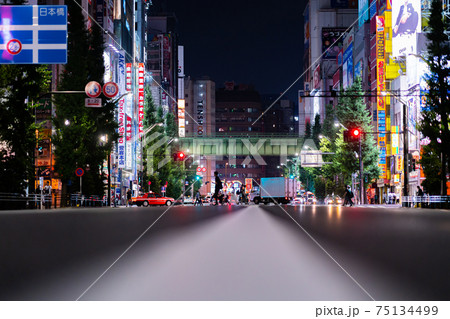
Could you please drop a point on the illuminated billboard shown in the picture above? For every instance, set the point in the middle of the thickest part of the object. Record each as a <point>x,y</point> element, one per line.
<point>332,42</point>
<point>363,11</point>
<point>381,103</point>
<point>406,23</point>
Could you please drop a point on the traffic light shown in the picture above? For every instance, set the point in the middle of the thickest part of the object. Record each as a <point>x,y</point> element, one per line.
<point>355,134</point>
<point>352,135</point>
<point>179,156</point>
<point>411,162</point>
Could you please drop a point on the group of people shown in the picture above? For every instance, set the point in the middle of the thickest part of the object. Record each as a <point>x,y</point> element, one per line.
<point>219,197</point>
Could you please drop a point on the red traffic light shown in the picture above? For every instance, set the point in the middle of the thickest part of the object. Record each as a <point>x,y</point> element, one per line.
<point>356,132</point>
<point>178,156</point>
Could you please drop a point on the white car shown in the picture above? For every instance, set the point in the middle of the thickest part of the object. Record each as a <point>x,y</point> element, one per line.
<point>298,201</point>
<point>188,201</point>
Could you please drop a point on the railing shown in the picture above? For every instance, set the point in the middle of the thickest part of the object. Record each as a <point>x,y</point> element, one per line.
<point>426,201</point>
<point>14,201</point>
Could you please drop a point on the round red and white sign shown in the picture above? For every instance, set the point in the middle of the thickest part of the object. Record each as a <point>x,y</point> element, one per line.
<point>14,46</point>
<point>199,169</point>
<point>110,89</point>
<point>93,89</point>
<point>203,169</point>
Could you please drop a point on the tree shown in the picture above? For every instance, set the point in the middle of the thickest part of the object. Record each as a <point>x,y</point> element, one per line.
<point>435,121</point>
<point>431,165</point>
<point>20,87</point>
<point>316,129</point>
<point>308,130</point>
<point>78,143</point>
<point>171,125</point>
<point>352,112</point>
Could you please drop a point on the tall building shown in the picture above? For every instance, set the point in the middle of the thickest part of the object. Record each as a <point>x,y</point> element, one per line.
<point>325,21</point>
<point>237,109</point>
<point>199,115</point>
<point>162,56</point>
<point>278,120</point>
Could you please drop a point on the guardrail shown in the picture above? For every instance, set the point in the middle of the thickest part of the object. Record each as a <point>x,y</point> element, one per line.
<point>14,201</point>
<point>426,201</point>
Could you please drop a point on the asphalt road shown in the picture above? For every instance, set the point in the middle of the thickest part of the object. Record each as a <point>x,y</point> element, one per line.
<point>225,253</point>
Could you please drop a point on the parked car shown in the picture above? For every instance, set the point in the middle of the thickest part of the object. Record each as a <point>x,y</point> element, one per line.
<point>188,201</point>
<point>151,199</point>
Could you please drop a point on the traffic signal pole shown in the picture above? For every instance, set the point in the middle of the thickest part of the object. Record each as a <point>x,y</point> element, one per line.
<point>361,168</point>
<point>405,151</point>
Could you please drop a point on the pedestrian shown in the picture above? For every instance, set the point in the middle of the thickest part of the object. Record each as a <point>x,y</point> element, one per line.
<point>128,197</point>
<point>218,187</point>
<point>348,195</point>
<point>198,199</point>
<point>48,195</point>
<point>419,191</point>
<point>242,195</point>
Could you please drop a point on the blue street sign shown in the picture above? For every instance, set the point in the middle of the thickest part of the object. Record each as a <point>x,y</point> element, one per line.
<point>33,34</point>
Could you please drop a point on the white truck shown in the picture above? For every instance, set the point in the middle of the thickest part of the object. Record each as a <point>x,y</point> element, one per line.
<point>276,189</point>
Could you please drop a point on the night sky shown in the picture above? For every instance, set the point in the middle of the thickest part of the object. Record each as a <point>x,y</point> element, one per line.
<point>246,41</point>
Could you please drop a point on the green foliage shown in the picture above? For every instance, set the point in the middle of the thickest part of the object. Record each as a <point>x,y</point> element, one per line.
<point>431,165</point>
<point>156,152</point>
<point>320,187</point>
<point>351,111</point>
<point>171,125</point>
<point>316,129</point>
<point>19,84</point>
<point>78,144</point>
<point>434,124</point>
<point>308,130</point>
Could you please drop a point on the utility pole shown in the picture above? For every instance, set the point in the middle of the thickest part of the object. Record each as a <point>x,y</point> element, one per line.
<point>361,169</point>
<point>405,149</point>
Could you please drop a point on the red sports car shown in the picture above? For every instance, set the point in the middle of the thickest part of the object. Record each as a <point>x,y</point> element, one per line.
<point>152,199</point>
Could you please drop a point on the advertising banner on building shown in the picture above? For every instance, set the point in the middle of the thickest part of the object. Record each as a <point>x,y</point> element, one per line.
<point>316,77</point>
<point>347,68</point>
<point>181,61</point>
<point>336,80</point>
<point>181,118</point>
<point>332,41</point>
<point>406,23</point>
<point>381,102</point>
<point>121,81</point>
<point>307,34</point>
<point>141,72</point>
<point>363,12</point>
<point>121,71</point>
<point>121,130</point>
